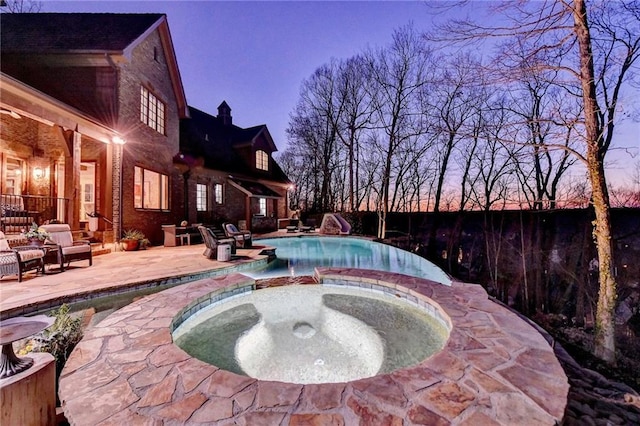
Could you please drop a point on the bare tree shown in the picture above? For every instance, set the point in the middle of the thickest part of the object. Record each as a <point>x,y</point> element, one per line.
<point>353,118</point>
<point>493,162</point>
<point>601,64</point>
<point>547,117</point>
<point>20,6</point>
<point>313,126</point>
<point>455,100</point>
<point>397,73</point>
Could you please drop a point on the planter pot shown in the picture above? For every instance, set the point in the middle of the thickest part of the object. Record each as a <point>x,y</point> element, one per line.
<point>36,242</point>
<point>129,245</point>
<point>93,224</point>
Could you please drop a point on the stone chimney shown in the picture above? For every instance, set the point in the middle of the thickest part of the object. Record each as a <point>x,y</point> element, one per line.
<point>224,114</point>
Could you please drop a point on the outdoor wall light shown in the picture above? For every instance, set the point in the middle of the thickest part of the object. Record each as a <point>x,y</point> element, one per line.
<point>118,140</point>
<point>38,173</point>
<point>11,113</point>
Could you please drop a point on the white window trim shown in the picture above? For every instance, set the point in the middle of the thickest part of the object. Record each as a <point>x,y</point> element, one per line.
<point>218,200</point>
<point>201,199</point>
<point>152,110</point>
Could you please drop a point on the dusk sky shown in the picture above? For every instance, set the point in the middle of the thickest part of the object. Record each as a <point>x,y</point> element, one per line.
<point>255,54</point>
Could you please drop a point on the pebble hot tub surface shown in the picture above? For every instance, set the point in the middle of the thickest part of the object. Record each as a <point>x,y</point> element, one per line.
<point>312,334</point>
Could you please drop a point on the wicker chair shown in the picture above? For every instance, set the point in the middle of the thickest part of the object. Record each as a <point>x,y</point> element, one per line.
<point>68,249</point>
<point>243,238</point>
<point>211,241</point>
<point>17,260</point>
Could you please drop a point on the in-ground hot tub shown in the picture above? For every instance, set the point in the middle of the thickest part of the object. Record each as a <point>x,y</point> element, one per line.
<point>494,368</point>
<point>312,333</point>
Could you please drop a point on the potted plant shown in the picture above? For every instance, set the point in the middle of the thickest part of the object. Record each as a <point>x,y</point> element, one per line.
<point>133,239</point>
<point>94,218</point>
<point>36,235</point>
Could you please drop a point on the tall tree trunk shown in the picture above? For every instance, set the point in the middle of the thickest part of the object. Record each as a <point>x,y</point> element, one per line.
<point>605,324</point>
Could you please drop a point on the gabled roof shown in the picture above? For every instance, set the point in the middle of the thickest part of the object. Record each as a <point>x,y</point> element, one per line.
<point>206,137</point>
<point>100,37</point>
<point>64,32</point>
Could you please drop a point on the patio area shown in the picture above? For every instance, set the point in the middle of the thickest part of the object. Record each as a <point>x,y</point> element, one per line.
<point>119,272</point>
<point>115,273</point>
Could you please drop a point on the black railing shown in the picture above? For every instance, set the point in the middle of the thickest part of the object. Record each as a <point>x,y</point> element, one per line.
<point>18,212</point>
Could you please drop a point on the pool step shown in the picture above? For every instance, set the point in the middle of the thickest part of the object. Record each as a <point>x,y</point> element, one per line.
<point>282,281</point>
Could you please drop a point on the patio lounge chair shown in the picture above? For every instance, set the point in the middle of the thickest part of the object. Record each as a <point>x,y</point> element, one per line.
<point>308,227</point>
<point>211,241</point>
<point>243,238</point>
<point>17,260</point>
<point>68,249</point>
<point>293,225</point>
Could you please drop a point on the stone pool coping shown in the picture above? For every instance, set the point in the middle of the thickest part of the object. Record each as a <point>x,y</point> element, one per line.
<point>495,369</point>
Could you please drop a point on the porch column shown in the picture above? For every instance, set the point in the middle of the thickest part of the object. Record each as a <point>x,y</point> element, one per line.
<point>116,172</point>
<point>247,212</point>
<point>72,182</point>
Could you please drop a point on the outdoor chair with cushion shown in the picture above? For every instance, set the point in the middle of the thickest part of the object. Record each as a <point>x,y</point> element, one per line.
<point>310,226</point>
<point>211,241</point>
<point>293,225</point>
<point>68,249</point>
<point>243,238</point>
<point>17,260</point>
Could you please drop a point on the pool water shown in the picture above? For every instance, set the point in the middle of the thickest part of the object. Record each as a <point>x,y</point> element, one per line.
<point>297,256</point>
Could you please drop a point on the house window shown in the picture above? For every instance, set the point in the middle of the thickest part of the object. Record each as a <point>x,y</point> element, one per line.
<point>13,177</point>
<point>262,160</point>
<point>217,193</point>
<point>151,110</point>
<point>151,190</point>
<point>262,203</point>
<point>201,197</point>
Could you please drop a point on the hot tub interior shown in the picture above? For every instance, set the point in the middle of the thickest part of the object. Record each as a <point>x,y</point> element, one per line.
<point>311,333</point>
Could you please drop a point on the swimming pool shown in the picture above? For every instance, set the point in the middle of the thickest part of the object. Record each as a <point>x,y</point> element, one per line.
<point>297,256</point>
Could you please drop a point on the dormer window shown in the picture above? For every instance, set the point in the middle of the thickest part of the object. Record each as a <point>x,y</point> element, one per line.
<point>262,160</point>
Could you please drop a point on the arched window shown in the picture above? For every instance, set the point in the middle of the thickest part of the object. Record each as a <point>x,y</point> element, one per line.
<point>262,160</point>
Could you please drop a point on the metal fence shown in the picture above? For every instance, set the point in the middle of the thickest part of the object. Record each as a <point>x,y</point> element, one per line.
<point>18,212</point>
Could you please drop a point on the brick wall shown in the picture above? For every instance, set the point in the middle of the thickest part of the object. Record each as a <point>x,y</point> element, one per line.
<point>146,147</point>
<point>37,145</point>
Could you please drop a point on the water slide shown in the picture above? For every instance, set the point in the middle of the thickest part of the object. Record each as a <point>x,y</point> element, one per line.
<point>333,223</point>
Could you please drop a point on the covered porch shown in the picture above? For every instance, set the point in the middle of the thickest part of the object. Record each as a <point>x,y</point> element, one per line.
<point>56,164</point>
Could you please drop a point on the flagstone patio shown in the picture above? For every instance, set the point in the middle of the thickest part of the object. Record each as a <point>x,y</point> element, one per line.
<point>494,369</point>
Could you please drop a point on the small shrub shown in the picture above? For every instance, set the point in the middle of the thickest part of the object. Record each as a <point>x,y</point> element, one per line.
<point>59,339</point>
<point>133,234</point>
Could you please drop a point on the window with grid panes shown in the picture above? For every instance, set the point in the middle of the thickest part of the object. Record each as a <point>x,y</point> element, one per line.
<point>262,160</point>
<point>201,197</point>
<point>152,110</point>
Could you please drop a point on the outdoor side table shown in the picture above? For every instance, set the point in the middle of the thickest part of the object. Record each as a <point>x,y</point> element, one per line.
<point>51,256</point>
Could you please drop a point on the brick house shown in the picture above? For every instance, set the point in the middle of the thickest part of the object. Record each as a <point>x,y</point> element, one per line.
<point>234,175</point>
<point>116,149</point>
